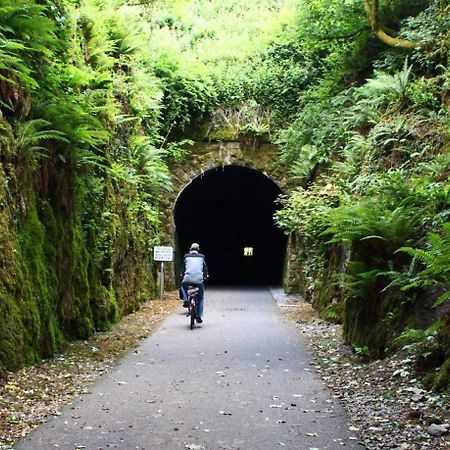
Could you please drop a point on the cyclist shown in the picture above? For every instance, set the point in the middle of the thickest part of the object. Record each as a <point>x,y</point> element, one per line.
<point>195,273</point>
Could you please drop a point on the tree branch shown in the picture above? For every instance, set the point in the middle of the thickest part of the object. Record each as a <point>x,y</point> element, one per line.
<point>396,42</point>
<point>381,32</point>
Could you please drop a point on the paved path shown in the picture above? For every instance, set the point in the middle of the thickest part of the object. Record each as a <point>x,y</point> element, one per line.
<point>242,380</point>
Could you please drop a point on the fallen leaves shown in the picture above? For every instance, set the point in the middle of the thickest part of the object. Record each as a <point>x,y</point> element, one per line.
<point>34,393</point>
<point>387,405</point>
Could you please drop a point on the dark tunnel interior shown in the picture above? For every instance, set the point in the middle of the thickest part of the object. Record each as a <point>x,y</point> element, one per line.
<point>229,212</point>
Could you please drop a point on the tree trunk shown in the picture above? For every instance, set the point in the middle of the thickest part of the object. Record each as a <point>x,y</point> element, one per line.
<point>372,9</point>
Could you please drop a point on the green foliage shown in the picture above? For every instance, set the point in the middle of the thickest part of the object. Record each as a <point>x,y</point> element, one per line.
<point>370,220</point>
<point>206,54</point>
<point>278,76</point>
<point>372,122</point>
<point>185,98</point>
<point>309,140</point>
<point>29,137</point>
<point>384,90</point>
<point>359,281</point>
<point>332,313</point>
<point>362,352</point>
<point>81,138</point>
<point>353,161</point>
<point>26,34</point>
<point>149,167</point>
<point>411,336</point>
<point>95,97</point>
<point>248,117</point>
<point>304,211</point>
<point>309,60</point>
<point>430,25</point>
<point>436,259</point>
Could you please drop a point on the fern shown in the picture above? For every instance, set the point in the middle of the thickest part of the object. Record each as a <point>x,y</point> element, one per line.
<point>26,21</point>
<point>75,120</point>
<point>303,167</point>
<point>385,90</point>
<point>11,63</point>
<point>25,33</point>
<point>151,171</point>
<point>354,156</point>
<point>359,280</point>
<point>370,220</point>
<point>30,136</point>
<point>438,166</point>
<point>436,259</point>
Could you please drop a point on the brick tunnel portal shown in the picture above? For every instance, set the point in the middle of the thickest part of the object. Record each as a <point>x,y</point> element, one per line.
<point>229,212</point>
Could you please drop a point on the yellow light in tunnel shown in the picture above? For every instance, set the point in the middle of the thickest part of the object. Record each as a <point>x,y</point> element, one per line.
<point>248,251</point>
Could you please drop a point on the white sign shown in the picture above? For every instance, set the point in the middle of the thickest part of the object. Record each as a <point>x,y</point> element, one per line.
<point>164,254</point>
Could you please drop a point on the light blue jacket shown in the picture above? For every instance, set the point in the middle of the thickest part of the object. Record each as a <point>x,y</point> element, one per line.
<point>194,268</point>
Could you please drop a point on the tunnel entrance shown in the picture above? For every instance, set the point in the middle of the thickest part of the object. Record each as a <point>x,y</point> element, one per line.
<point>229,212</point>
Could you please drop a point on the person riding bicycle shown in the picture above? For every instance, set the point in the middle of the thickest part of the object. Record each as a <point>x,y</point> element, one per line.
<point>194,273</point>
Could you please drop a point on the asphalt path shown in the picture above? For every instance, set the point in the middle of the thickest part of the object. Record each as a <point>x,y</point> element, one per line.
<point>244,379</point>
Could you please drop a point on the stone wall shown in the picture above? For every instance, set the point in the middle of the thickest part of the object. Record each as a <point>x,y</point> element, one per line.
<point>204,156</point>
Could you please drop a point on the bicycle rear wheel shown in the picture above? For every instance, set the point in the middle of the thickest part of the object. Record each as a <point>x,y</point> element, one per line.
<point>192,315</point>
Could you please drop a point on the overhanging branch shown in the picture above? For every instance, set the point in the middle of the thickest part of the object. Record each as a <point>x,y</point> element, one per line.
<point>381,32</point>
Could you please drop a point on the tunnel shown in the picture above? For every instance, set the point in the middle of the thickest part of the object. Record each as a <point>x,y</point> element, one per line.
<point>229,212</point>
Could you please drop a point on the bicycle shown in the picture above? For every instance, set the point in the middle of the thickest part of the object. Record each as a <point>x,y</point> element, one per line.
<point>192,292</point>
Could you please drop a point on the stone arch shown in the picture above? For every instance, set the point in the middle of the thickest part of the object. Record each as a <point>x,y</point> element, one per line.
<point>205,157</point>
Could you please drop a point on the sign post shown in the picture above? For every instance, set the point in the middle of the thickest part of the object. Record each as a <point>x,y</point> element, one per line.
<point>161,281</point>
<point>162,254</point>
